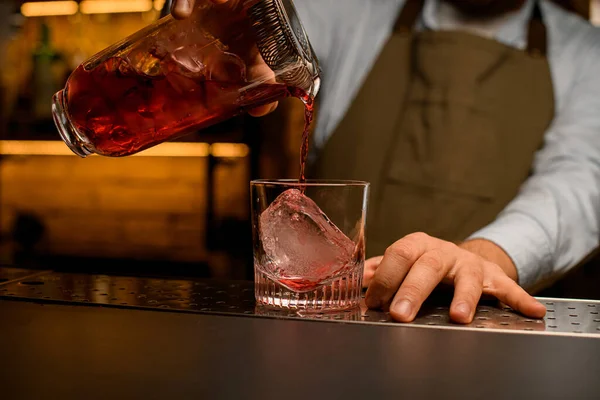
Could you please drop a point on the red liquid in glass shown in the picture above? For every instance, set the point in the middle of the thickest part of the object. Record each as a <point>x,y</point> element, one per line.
<point>123,112</point>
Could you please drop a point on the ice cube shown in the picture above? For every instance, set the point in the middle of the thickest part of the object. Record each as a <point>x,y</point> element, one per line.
<point>225,67</point>
<point>146,59</point>
<point>211,62</point>
<point>145,64</point>
<point>301,244</point>
<point>189,59</point>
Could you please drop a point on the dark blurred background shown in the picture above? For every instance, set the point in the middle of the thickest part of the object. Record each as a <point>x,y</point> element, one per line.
<point>179,209</point>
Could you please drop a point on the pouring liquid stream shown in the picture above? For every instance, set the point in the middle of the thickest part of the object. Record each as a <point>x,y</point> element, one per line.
<point>308,118</point>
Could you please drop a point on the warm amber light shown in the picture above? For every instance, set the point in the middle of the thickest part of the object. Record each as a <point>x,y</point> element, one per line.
<point>176,149</point>
<point>229,150</point>
<point>46,8</point>
<point>159,4</point>
<point>114,6</point>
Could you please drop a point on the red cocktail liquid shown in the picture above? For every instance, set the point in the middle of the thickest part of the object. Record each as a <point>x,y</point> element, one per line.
<point>308,117</point>
<point>122,111</point>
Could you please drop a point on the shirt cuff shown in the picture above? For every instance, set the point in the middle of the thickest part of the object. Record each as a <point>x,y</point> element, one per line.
<point>525,242</point>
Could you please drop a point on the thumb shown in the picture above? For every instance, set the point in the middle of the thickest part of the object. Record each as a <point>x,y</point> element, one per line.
<point>371,266</point>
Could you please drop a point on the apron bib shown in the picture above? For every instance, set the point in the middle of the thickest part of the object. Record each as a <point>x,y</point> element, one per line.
<point>444,128</point>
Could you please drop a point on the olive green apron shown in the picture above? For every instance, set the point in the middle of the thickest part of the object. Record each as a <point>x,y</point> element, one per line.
<point>444,128</point>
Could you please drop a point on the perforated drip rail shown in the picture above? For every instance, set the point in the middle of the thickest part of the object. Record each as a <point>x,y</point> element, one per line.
<point>8,274</point>
<point>564,317</point>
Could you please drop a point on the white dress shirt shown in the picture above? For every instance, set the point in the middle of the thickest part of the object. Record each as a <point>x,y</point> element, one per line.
<point>553,223</point>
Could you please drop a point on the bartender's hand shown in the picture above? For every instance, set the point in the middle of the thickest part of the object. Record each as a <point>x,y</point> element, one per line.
<point>413,266</point>
<point>181,9</point>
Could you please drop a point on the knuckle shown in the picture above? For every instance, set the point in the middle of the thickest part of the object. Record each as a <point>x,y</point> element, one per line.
<point>472,259</point>
<point>473,267</point>
<point>451,247</point>
<point>418,236</point>
<point>432,261</point>
<point>401,251</point>
<point>493,268</point>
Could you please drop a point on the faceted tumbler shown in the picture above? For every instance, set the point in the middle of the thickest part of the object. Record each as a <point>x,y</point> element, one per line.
<point>309,243</point>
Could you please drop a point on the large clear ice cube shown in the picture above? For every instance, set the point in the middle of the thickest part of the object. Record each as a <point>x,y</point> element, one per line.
<point>302,246</point>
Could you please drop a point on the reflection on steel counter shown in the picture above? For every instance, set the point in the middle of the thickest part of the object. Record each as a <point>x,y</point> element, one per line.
<point>9,274</point>
<point>564,317</point>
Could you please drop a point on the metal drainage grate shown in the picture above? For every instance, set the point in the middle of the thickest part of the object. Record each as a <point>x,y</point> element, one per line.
<point>573,317</point>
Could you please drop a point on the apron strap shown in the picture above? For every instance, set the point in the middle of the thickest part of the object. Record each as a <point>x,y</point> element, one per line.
<point>536,37</point>
<point>408,15</point>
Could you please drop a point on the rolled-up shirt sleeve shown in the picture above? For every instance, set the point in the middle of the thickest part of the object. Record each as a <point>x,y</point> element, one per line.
<point>554,221</point>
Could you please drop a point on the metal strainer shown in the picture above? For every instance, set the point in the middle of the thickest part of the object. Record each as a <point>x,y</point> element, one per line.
<point>283,43</point>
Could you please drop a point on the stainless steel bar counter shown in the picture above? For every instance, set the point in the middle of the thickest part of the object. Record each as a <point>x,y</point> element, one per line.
<point>72,336</point>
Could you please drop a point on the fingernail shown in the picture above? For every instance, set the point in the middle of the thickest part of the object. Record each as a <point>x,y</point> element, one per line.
<point>182,7</point>
<point>464,309</point>
<point>403,308</point>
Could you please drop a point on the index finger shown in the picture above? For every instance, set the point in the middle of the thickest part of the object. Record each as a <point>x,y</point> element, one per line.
<point>396,262</point>
<point>425,275</point>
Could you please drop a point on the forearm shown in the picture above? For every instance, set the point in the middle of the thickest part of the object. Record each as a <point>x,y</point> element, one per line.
<point>550,226</point>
